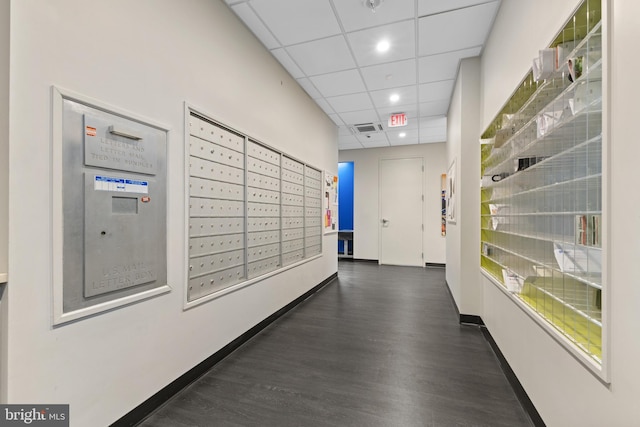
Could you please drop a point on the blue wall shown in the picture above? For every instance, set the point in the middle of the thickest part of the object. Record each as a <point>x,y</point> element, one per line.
<point>345,199</point>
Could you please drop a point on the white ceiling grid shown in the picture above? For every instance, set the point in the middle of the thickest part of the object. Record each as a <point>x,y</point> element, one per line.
<point>329,47</point>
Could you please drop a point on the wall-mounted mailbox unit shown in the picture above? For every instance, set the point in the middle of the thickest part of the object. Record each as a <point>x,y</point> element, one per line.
<point>113,208</point>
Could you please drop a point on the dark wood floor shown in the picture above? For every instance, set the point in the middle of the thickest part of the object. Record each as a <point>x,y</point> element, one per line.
<point>379,347</point>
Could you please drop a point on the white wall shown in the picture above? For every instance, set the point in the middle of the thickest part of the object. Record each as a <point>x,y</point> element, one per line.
<point>148,57</point>
<point>4,184</point>
<point>463,236</point>
<point>563,390</point>
<point>366,223</point>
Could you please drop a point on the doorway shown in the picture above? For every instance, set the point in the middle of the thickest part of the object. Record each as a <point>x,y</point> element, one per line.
<point>401,212</point>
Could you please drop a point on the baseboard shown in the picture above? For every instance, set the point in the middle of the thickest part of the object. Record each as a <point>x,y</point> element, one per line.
<point>145,409</point>
<point>374,261</point>
<point>434,264</point>
<point>527,404</point>
<point>471,319</point>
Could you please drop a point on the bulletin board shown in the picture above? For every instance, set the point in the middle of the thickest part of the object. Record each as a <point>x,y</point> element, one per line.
<point>330,212</point>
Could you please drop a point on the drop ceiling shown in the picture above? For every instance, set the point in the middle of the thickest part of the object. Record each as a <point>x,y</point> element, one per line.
<point>330,48</point>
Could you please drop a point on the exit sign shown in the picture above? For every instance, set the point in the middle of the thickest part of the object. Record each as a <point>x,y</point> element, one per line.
<point>397,119</point>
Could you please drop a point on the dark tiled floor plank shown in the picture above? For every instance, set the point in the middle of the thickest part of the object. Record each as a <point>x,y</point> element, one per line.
<point>379,347</point>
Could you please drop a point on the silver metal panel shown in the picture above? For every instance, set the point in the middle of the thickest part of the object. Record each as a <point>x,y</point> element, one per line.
<point>313,212</point>
<point>314,193</point>
<point>292,234</point>
<point>260,238</point>
<point>263,153</point>
<point>292,165</point>
<point>216,134</point>
<point>312,183</point>
<point>205,285</point>
<point>206,188</point>
<point>263,210</point>
<point>289,211</point>
<point>313,203</point>
<point>293,222</point>
<point>292,245</point>
<point>313,173</point>
<point>256,180</point>
<point>211,170</point>
<point>311,221</point>
<point>292,199</point>
<point>262,252</point>
<point>313,241</point>
<point>263,224</point>
<point>199,246</point>
<point>215,153</point>
<point>292,257</point>
<point>263,168</point>
<point>312,231</point>
<point>294,177</point>
<point>208,264</point>
<point>264,266</point>
<point>215,208</point>
<point>291,188</point>
<point>313,250</point>
<point>108,150</point>
<point>215,226</point>
<point>263,196</point>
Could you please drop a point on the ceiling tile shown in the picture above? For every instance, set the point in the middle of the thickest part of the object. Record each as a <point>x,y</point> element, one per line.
<point>410,110</point>
<point>322,103</point>
<point>443,66</point>
<point>355,16</point>
<point>297,21</point>
<point>308,86</point>
<point>408,95</point>
<point>436,91</point>
<point>340,83</point>
<point>252,21</point>
<point>431,7</point>
<point>322,56</point>
<point>376,144</point>
<point>395,74</point>
<point>433,122</point>
<point>286,61</point>
<point>357,117</point>
<point>354,102</point>
<point>410,135</point>
<point>372,137</point>
<point>436,108</point>
<point>344,130</point>
<point>401,36</point>
<point>459,29</point>
<point>336,119</point>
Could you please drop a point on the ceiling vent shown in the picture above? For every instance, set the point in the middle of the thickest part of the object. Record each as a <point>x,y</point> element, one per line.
<point>366,128</point>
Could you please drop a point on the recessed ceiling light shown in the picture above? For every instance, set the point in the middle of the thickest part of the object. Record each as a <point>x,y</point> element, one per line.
<point>383,46</point>
<point>394,98</point>
<point>402,135</point>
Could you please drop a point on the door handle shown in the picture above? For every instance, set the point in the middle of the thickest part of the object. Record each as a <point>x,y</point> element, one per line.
<point>385,221</point>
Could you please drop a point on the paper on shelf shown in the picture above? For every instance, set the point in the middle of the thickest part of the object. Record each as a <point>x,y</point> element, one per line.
<point>512,281</point>
<point>578,259</point>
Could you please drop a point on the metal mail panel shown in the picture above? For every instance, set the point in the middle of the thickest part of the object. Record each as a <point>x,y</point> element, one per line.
<point>215,226</point>
<point>314,193</point>
<point>206,188</point>
<point>208,245</point>
<point>313,212</point>
<point>263,196</point>
<point>313,203</point>
<point>263,168</point>
<point>292,257</point>
<point>205,285</point>
<point>263,210</point>
<point>264,266</point>
<point>291,188</point>
<point>312,231</point>
<point>292,245</point>
<point>292,222</point>
<point>313,241</point>
<point>262,252</point>
<point>216,134</point>
<point>313,250</point>
<point>263,153</point>
<point>215,208</point>
<point>263,224</point>
<point>259,238</point>
<point>261,181</point>
<point>215,153</point>
<point>311,221</point>
<point>289,211</point>
<point>293,177</point>
<point>313,173</point>
<point>292,165</point>
<point>312,183</point>
<point>211,170</point>
<point>292,234</point>
<point>292,199</point>
<point>208,264</point>
<point>106,147</point>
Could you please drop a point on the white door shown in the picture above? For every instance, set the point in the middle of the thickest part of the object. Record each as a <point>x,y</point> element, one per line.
<point>401,212</point>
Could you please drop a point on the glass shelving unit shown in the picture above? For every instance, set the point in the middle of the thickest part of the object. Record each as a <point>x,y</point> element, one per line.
<point>541,203</point>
